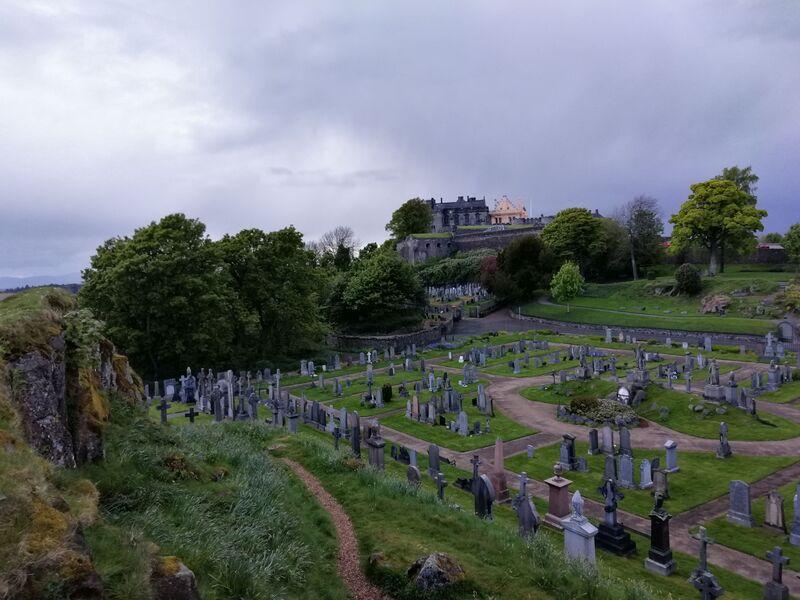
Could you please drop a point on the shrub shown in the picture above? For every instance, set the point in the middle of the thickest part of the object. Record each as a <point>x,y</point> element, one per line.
<point>687,280</point>
<point>386,391</point>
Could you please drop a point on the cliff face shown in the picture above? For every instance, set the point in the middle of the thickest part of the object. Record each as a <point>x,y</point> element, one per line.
<point>62,407</point>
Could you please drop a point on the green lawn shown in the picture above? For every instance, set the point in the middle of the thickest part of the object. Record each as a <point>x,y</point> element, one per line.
<point>501,565</point>
<point>742,426</point>
<point>759,539</point>
<point>684,486</point>
<point>501,426</point>
<point>562,393</point>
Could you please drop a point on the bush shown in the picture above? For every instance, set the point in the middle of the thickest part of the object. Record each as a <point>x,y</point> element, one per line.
<point>687,280</point>
<point>386,392</point>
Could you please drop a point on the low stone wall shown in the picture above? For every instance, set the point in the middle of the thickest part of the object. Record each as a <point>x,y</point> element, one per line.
<point>644,333</point>
<point>398,340</point>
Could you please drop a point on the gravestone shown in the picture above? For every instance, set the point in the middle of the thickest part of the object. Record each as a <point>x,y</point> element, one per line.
<point>375,452</point>
<point>527,517</point>
<point>775,589</point>
<point>660,483</point>
<point>740,512</point>
<point>626,471</point>
<point>645,475</point>
<point>567,452</point>
<point>794,535</point>
<point>607,439</point>
<point>594,447</point>
<point>611,534</point>
<point>672,456</point>
<point>413,476</point>
<point>579,533</point>
<point>625,441</point>
<point>609,467</point>
<point>773,512</point>
<point>558,497</point>
<point>498,472</point>
<point>441,483</point>
<point>659,559</point>
<point>701,578</point>
<point>529,451</point>
<point>724,449</point>
<point>484,497</point>
<point>433,460</point>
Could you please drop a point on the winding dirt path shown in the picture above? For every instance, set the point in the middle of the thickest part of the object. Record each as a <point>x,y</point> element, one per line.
<point>349,569</point>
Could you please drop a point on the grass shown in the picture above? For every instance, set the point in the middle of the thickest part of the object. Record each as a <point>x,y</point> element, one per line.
<point>497,562</point>
<point>501,426</point>
<point>700,323</point>
<point>213,497</point>
<point>685,491</point>
<point>788,392</point>
<point>742,427</point>
<point>761,538</point>
<point>563,393</point>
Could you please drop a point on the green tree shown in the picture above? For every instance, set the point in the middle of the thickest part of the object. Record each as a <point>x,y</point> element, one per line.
<point>523,267</point>
<point>575,235</point>
<point>744,178</point>
<point>609,258</point>
<point>380,293</point>
<point>717,213</point>
<point>163,294</point>
<point>791,243</point>
<point>414,216</point>
<point>643,226</point>
<point>772,237</point>
<point>277,287</point>
<point>567,283</point>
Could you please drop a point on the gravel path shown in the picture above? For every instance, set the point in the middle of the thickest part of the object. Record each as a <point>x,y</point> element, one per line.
<point>349,569</point>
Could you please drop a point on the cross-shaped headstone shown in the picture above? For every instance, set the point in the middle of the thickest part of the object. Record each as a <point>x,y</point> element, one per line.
<point>777,559</point>
<point>708,587</point>
<point>523,484</point>
<point>163,408</point>
<point>475,460</point>
<point>190,414</point>
<point>704,540</point>
<point>441,483</point>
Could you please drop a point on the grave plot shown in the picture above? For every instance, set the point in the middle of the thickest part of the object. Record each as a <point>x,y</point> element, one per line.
<point>785,394</point>
<point>563,393</point>
<point>769,528</point>
<point>690,414</point>
<point>701,476</point>
<point>181,410</point>
<point>469,428</point>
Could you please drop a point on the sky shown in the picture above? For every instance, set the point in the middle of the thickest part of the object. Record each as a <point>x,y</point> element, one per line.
<point>114,113</point>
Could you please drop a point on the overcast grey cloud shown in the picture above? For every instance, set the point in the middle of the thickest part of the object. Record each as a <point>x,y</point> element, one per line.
<point>261,114</point>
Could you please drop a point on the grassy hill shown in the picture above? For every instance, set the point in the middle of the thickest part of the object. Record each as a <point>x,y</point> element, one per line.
<point>648,303</point>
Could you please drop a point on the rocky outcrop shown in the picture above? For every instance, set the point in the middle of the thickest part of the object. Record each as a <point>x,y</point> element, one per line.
<point>435,571</point>
<point>38,392</point>
<point>715,304</point>
<point>173,580</point>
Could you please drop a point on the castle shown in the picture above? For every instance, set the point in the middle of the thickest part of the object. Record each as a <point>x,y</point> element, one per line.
<point>468,224</point>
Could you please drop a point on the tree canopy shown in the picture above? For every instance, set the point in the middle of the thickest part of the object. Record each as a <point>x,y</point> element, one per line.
<point>575,235</point>
<point>414,216</point>
<point>522,268</point>
<point>164,295</point>
<point>744,178</point>
<point>791,243</point>
<point>717,213</point>
<point>380,293</point>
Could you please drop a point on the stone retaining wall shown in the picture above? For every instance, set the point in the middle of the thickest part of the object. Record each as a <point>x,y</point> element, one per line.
<point>399,340</point>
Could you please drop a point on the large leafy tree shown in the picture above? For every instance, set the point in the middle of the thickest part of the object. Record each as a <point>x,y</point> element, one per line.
<point>414,216</point>
<point>791,243</point>
<point>523,267</point>
<point>574,234</point>
<point>277,285</point>
<point>716,213</point>
<point>641,220</point>
<point>380,293</point>
<point>163,294</point>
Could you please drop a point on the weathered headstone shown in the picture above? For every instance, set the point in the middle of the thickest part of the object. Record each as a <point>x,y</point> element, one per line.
<point>740,512</point>
<point>774,515</point>
<point>579,533</point>
<point>611,534</point>
<point>659,559</point>
<point>775,589</point>
<point>672,456</point>
<point>527,517</point>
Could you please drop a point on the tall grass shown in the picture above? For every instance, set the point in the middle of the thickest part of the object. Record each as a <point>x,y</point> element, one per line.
<point>212,496</point>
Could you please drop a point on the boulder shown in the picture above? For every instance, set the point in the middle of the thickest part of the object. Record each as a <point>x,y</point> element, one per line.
<point>715,304</point>
<point>435,571</point>
<point>172,580</point>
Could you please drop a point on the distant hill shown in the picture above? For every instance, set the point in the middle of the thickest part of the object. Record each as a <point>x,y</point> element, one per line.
<point>16,283</point>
